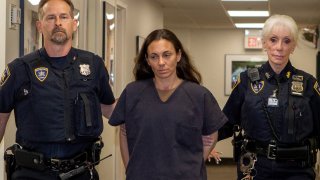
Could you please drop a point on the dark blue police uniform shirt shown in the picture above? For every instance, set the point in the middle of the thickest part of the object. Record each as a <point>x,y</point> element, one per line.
<point>245,106</point>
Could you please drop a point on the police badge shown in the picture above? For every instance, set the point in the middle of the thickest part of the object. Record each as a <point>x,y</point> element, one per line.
<point>41,73</point>
<point>297,88</point>
<point>85,69</point>
<point>297,85</point>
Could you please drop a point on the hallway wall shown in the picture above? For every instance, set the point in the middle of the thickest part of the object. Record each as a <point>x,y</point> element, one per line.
<point>143,16</point>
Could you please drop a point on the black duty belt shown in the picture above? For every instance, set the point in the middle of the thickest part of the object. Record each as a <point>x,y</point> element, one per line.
<point>64,165</point>
<point>37,161</point>
<point>274,152</point>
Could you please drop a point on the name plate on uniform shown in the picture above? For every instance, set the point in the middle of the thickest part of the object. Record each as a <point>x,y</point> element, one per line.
<point>273,102</point>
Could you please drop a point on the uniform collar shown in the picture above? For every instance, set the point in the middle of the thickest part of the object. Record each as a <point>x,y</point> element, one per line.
<point>284,75</point>
<point>70,57</point>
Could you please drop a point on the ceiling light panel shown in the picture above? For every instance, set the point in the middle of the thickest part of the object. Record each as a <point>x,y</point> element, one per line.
<point>244,0</point>
<point>249,25</point>
<point>248,13</point>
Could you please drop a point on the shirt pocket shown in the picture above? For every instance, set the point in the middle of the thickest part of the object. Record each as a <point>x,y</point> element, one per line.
<point>189,137</point>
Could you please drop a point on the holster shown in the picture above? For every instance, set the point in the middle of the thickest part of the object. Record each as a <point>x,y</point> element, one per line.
<point>10,160</point>
<point>237,144</point>
<point>10,164</point>
<point>96,151</point>
<point>314,146</point>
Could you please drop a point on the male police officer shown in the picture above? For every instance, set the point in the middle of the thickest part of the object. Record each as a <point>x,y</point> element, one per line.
<point>59,94</point>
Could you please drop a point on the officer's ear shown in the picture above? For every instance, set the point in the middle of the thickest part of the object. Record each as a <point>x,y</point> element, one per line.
<point>74,25</point>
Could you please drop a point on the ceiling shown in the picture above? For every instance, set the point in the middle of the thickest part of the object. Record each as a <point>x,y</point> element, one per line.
<point>212,14</point>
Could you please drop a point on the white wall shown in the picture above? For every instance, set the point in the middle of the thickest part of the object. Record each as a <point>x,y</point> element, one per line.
<point>10,44</point>
<point>12,52</point>
<point>208,48</point>
<point>143,16</point>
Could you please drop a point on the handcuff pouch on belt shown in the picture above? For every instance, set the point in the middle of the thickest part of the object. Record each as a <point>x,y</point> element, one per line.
<point>293,153</point>
<point>306,153</point>
<point>33,160</point>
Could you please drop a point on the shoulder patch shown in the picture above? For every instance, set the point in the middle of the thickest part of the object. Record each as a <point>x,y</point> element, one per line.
<point>5,76</point>
<point>41,73</point>
<point>316,87</point>
<point>236,83</point>
<point>256,88</point>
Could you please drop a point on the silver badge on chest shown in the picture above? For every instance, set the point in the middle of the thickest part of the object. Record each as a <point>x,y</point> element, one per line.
<point>297,85</point>
<point>85,69</point>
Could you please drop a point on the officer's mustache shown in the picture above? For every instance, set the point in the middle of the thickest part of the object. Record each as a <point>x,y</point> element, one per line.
<point>59,29</point>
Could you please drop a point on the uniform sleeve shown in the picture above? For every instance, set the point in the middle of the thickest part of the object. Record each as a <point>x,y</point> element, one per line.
<point>213,116</point>
<point>118,114</point>
<point>105,92</point>
<point>232,109</point>
<point>7,89</point>
<point>315,104</point>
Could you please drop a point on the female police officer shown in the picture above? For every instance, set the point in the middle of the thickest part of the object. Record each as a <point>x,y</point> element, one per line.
<point>56,93</point>
<point>277,107</point>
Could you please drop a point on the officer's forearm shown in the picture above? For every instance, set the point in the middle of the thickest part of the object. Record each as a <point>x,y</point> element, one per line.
<point>107,109</point>
<point>209,142</point>
<point>3,123</point>
<point>225,131</point>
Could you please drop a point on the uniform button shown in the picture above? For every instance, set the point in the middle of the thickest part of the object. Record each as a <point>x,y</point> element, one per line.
<point>35,161</point>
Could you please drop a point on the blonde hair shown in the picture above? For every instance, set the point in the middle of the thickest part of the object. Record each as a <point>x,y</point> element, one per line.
<point>277,20</point>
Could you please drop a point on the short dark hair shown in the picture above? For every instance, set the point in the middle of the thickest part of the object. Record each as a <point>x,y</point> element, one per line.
<point>185,69</point>
<point>43,2</point>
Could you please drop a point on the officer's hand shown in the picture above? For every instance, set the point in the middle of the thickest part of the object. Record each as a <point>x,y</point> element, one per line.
<point>216,155</point>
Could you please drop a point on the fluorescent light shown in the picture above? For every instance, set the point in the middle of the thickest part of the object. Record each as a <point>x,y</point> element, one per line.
<point>111,26</point>
<point>34,2</point>
<point>248,13</point>
<point>110,16</point>
<point>249,25</point>
<point>243,0</point>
